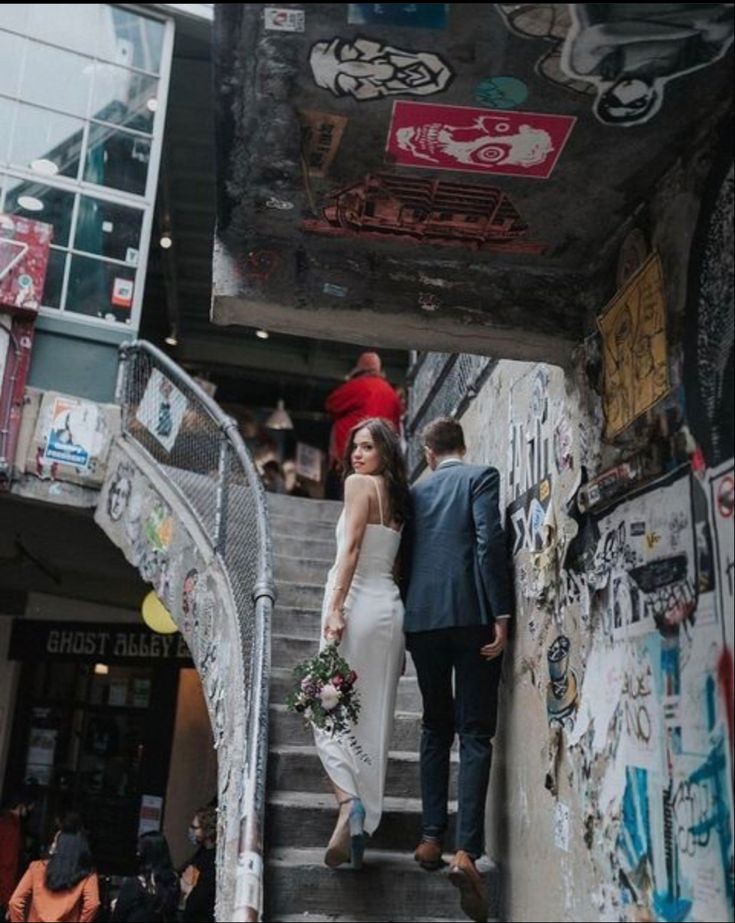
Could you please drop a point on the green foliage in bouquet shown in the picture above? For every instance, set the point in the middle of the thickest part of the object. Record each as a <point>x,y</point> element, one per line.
<point>325,694</point>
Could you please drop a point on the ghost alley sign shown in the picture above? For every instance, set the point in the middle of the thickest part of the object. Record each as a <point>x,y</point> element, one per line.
<point>92,642</point>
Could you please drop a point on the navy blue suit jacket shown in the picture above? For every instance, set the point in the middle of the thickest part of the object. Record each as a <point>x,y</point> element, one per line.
<point>457,572</point>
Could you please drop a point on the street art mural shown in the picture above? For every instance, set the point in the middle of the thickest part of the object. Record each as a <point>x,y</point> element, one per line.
<point>366,69</point>
<point>476,140</point>
<point>549,21</point>
<point>623,53</point>
<point>630,51</point>
<point>425,211</point>
<point>710,333</point>
<point>633,328</point>
<point>321,133</point>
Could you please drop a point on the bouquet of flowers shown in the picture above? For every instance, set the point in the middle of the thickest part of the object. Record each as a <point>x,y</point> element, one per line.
<point>325,694</point>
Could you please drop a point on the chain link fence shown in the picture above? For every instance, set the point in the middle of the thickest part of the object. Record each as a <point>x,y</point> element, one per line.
<point>200,450</point>
<point>440,385</point>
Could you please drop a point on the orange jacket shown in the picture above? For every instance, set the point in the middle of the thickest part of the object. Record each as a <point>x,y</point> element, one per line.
<point>32,901</point>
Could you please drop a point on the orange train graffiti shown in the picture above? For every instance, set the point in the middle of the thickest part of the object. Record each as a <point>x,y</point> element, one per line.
<point>425,211</point>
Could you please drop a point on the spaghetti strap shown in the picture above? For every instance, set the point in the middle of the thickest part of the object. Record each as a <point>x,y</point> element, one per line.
<point>380,502</point>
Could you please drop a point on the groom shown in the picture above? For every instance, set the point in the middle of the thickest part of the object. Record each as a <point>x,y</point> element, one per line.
<point>458,604</point>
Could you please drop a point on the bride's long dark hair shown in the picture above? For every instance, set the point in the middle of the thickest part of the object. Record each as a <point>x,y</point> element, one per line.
<point>393,466</point>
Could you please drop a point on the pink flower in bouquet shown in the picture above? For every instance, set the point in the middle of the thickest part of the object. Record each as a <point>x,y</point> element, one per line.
<point>352,677</point>
<point>337,680</point>
<point>329,696</point>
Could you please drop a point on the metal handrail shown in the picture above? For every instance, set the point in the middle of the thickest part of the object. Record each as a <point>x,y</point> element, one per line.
<point>248,889</point>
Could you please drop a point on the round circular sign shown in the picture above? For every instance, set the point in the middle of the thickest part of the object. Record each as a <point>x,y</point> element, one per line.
<point>501,92</point>
<point>156,615</point>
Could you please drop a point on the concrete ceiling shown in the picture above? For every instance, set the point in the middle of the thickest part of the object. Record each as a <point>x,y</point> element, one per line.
<point>394,216</point>
<point>178,294</point>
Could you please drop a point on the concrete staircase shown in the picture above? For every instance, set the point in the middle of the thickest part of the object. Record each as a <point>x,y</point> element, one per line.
<point>301,812</point>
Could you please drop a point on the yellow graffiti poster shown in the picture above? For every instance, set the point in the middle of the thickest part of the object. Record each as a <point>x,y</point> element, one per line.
<point>633,328</point>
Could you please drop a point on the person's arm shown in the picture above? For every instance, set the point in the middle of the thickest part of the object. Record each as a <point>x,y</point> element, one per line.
<point>357,509</point>
<point>20,898</point>
<point>340,400</point>
<point>90,899</point>
<point>491,545</point>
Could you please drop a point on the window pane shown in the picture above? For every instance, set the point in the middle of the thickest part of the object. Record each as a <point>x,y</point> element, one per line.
<point>11,59</point>
<point>14,16</point>
<point>124,97</point>
<point>100,289</point>
<point>118,159</point>
<point>127,38</point>
<point>41,203</point>
<point>108,230</point>
<point>58,79</point>
<point>54,279</point>
<point>71,25</point>
<point>6,122</point>
<point>50,137</point>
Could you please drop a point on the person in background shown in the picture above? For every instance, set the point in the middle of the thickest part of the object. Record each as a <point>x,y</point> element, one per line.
<point>154,894</point>
<point>273,479</point>
<point>62,888</point>
<point>365,394</point>
<point>199,878</point>
<point>17,807</point>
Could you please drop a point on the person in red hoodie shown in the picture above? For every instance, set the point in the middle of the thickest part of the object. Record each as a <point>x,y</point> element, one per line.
<point>365,394</point>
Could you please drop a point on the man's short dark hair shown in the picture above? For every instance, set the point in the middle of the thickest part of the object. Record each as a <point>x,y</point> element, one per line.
<point>443,436</point>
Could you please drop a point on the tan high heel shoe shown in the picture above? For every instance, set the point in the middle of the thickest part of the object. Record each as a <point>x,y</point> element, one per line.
<point>338,850</point>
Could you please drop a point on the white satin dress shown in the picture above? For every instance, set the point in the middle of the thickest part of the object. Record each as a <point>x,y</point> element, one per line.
<point>373,645</point>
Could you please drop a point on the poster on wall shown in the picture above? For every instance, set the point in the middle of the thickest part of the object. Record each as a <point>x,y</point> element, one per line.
<point>633,329</point>
<point>162,409</point>
<point>72,433</point>
<point>722,492</point>
<point>151,810</point>
<point>308,462</point>
<point>648,554</point>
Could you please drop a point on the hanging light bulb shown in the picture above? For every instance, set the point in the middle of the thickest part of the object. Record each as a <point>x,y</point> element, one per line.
<point>279,419</point>
<point>166,241</point>
<point>172,339</point>
<point>262,334</point>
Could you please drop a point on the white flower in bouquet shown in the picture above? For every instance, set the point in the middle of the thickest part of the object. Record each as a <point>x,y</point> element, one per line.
<point>329,696</point>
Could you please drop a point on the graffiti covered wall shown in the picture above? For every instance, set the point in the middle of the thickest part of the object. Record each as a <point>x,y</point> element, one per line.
<point>613,764</point>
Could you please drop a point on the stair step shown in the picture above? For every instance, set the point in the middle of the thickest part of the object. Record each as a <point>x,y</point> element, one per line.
<point>300,569</point>
<point>304,509</point>
<point>408,697</point>
<point>300,595</point>
<point>286,652</point>
<point>288,728</point>
<point>389,886</point>
<point>306,819</point>
<point>301,532</point>
<point>296,621</point>
<point>319,549</point>
<point>292,768</point>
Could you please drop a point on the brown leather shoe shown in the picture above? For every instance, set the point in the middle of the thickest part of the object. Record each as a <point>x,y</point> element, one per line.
<point>429,855</point>
<point>472,891</point>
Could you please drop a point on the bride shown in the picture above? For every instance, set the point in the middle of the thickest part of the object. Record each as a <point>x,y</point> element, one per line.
<point>363,613</point>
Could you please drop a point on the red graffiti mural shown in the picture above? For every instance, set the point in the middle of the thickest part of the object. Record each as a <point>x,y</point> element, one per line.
<point>425,211</point>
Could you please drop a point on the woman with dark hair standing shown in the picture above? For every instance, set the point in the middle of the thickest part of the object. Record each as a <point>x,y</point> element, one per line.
<point>363,613</point>
<point>60,889</point>
<point>154,894</point>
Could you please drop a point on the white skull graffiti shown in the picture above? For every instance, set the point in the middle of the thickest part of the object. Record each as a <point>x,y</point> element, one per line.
<point>477,144</point>
<point>368,70</point>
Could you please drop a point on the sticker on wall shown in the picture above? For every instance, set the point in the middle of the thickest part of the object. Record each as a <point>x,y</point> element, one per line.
<point>72,433</point>
<point>131,256</point>
<point>416,15</point>
<point>501,92</point>
<point>321,134</point>
<point>722,490</point>
<point>633,328</point>
<point>476,140</point>
<point>162,409</point>
<point>276,19</point>
<point>629,52</point>
<point>384,206</point>
<point>549,21</point>
<point>366,69</point>
<point>338,291</point>
<point>122,293</point>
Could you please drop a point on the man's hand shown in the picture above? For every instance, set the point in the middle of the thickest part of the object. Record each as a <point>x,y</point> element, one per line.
<point>496,647</point>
